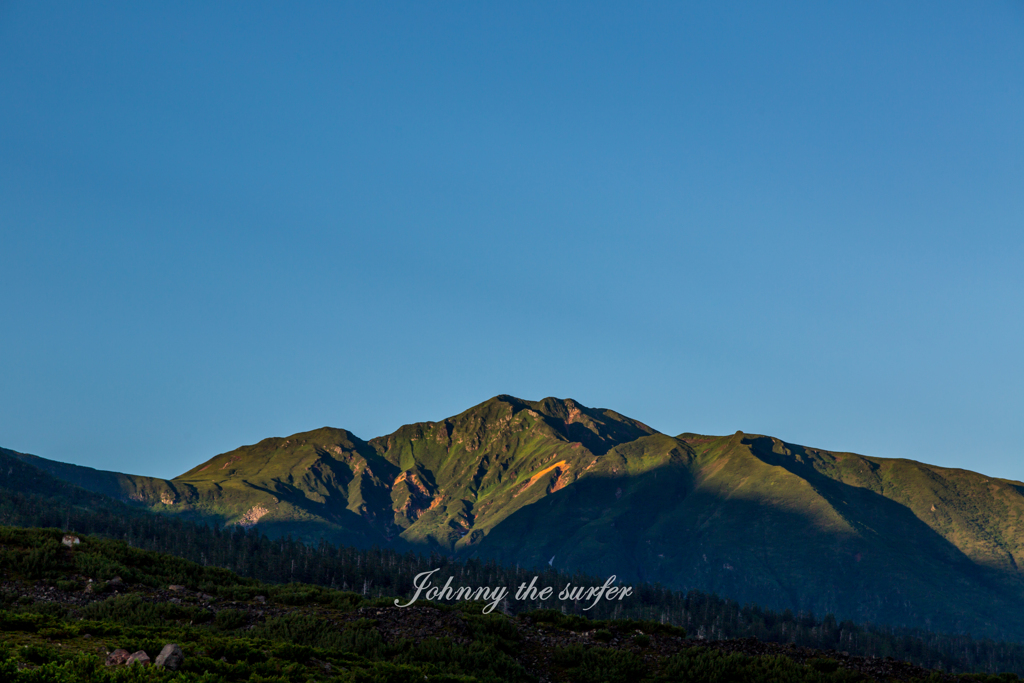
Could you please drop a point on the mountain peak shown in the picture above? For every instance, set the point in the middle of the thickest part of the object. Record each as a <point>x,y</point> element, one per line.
<point>277,452</point>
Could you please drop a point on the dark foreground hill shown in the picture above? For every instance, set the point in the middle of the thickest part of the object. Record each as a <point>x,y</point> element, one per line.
<point>554,483</point>
<point>67,611</point>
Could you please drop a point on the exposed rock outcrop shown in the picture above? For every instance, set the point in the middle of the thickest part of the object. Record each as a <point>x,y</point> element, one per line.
<point>170,657</point>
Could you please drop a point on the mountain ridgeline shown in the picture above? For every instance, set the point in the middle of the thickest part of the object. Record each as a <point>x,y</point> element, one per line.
<point>554,483</point>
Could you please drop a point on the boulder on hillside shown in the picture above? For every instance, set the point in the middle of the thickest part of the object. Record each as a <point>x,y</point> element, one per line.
<point>118,657</point>
<point>170,657</point>
<point>140,657</point>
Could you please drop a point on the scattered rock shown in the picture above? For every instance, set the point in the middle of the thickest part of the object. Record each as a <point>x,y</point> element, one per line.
<point>116,583</point>
<point>118,657</point>
<point>70,541</point>
<point>140,657</point>
<point>260,598</point>
<point>176,588</point>
<point>170,657</point>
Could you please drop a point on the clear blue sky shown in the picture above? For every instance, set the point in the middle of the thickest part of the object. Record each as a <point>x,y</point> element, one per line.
<point>222,222</point>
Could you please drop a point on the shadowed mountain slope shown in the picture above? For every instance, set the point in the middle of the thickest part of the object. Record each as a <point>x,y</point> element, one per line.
<point>123,487</point>
<point>755,519</point>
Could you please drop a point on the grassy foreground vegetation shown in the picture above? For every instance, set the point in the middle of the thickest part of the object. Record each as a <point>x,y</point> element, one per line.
<point>57,625</point>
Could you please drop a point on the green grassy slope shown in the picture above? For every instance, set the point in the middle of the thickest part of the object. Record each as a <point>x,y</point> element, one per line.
<point>324,482</point>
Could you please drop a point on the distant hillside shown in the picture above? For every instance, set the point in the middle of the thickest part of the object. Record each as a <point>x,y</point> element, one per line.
<point>552,482</point>
<point>125,487</point>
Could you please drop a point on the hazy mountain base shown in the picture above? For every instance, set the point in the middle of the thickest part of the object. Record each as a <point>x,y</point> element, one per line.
<point>234,629</point>
<point>528,483</point>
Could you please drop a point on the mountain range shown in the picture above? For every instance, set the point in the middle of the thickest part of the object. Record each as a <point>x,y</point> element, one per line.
<point>552,482</point>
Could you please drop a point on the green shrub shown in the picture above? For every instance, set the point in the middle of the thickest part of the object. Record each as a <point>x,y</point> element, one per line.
<point>492,629</point>
<point>824,665</point>
<point>311,631</point>
<point>235,650</point>
<point>29,623</point>
<point>647,626</point>
<point>49,609</point>
<point>62,631</point>
<point>344,600</point>
<point>705,665</point>
<point>296,594</point>
<point>570,622</point>
<point>446,660</point>
<point>39,654</point>
<point>236,593</point>
<point>587,664</point>
<point>132,610</point>
<point>230,619</point>
<point>293,652</point>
